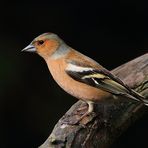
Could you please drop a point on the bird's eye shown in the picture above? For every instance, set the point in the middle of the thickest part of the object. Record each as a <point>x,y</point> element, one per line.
<point>40,42</point>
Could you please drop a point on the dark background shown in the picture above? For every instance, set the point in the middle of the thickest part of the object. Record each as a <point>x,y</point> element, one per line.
<point>31,103</point>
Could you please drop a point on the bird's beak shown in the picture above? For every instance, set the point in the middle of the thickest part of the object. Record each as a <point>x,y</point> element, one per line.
<point>29,48</point>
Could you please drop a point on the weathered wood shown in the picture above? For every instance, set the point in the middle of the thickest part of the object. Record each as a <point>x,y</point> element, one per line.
<point>111,118</point>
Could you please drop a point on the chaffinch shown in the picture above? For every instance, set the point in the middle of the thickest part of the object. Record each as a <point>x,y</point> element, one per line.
<point>77,74</point>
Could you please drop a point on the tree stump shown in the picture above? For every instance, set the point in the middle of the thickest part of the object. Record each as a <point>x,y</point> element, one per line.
<point>111,119</point>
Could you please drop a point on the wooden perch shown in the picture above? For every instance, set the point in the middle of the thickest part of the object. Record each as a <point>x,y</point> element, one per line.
<point>111,118</point>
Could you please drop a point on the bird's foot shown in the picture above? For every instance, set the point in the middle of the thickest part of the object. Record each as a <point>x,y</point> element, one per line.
<point>79,120</point>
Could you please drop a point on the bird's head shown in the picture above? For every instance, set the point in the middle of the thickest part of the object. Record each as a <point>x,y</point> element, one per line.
<point>44,45</point>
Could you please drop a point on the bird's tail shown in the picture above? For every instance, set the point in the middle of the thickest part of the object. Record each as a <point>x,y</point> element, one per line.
<point>136,96</point>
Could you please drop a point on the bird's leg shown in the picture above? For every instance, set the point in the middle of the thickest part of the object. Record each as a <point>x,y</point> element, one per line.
<point>89,111</point>
<point>90,107</point>
<point>77,118</point>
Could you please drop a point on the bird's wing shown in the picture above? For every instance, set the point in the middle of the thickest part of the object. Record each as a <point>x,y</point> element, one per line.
<point>99,78</point>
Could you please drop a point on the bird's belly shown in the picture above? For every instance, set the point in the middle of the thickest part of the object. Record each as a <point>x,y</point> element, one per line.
<point>81,90</point>
<point>87,93</point>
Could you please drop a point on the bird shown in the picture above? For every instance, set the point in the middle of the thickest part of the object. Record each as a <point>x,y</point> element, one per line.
<point>78,74</point>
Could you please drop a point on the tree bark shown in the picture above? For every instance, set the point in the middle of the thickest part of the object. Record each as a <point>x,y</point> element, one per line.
<point>110,120</point>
